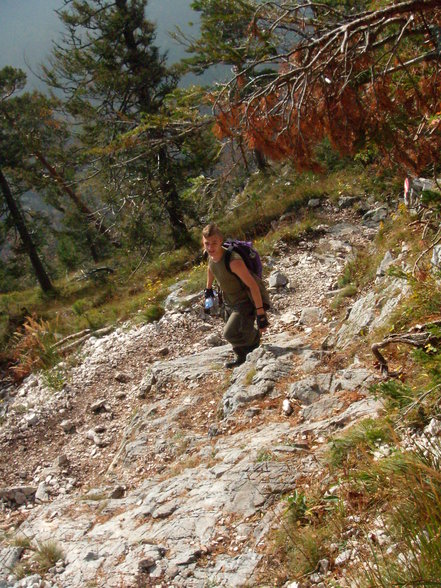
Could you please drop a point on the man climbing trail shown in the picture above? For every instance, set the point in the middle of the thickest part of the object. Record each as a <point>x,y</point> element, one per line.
<point>245,297</point>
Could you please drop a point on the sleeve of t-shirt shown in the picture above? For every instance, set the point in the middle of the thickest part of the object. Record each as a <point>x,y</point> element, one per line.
<point>234,256</point>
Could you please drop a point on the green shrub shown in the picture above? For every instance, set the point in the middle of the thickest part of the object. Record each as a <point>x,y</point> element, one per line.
<point>81,305</point>
<point>352,447</point>
<point>152,313</point>
<point>46,555</point>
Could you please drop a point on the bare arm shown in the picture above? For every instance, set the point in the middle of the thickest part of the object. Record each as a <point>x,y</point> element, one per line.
<point>210,278</point>
<point>239,268</point>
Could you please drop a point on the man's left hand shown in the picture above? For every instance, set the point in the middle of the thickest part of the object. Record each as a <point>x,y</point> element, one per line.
<point>262,321</point>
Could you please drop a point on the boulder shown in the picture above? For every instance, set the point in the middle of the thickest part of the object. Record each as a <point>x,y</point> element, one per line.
<point>346,201</point>
<point>309,389</point>
<point>375,216</point>
<point>386,262</point>
<point>277,280</point>
<point>310,316</point>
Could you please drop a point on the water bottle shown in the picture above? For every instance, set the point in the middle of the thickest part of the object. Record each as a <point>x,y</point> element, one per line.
<point>209,303</point>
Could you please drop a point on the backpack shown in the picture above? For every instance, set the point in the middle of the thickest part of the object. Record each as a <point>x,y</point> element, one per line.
<point>253,262</point>
<point>247,252</point>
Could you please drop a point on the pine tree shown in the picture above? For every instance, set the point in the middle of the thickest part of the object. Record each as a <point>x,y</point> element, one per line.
<point>228,36</point>
<point>113,76</point>
<point>10,155</point>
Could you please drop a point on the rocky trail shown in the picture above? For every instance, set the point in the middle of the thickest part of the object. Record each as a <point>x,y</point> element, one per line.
<point>155,466</point>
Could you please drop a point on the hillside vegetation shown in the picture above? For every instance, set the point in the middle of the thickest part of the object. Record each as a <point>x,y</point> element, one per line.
<point>88,300</point>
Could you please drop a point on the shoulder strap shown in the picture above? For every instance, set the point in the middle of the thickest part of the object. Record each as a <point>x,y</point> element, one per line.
<point>227,258</point>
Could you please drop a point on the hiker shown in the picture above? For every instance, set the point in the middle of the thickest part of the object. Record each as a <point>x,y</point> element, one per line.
<point>242,294</point>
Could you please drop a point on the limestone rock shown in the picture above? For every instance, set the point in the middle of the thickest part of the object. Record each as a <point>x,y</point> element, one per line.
<point>100,406</point>
<point>343,557</point>
<point>42,494</point>
<point>385,264</point>
<point>433,428</point>
<point>309,389</point>
<point>117,492</point>
<point>214,340</point>
<point>176,301</point>
<point>67,425</point>
<point>310,316</point>
<point>346,201</point>
<point>268,363</point>
<point>122,377</point>
<point>287,407</point>
<point>376,215</point>
<point>277,280</point>
<point>9,557</point>
<point>314,203</point>
<point>18,494</point>
<point>61,461</point>
<point>436,257</point>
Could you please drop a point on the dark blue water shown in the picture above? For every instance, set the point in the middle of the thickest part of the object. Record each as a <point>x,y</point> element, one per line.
<point>29,27</point>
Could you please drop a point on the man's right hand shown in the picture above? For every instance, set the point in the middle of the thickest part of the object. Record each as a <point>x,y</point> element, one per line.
<point>208,293</point>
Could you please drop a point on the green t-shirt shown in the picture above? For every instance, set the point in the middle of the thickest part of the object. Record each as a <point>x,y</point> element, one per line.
<point>233,289</point>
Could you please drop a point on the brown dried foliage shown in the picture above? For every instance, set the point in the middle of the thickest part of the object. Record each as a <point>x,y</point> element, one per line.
<point>353,96</point>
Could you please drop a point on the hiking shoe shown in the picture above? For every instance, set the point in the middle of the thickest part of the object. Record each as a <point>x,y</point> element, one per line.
<point>241,355</point>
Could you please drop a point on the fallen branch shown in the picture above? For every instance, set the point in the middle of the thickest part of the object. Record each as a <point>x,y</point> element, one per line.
<point>433,244</point>
<point>70,337</point>
<point>92,273</point>
<point>419,336</point>
<point>87,335</point>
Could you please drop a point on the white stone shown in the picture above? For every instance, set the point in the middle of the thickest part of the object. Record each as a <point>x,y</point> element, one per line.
<point>433,428</point>
<point>277,279</point>
<point>343,557</point>
<point>385,264</point>
<point>286,407</point>
<point>310,316</point>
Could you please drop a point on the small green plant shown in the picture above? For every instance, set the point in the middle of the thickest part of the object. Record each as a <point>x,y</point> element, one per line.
<point>347,292</point>
<point>21,541</point>
<point>152,313</point>
<point>264,455</point>
<point>22,569</point>
<point>394,392</point>
<point>358,442</point>
<point>249,376</point>
<point>54,379</point>
<point>296,506</point>
<point>46,555</point>
<point>81,305</point>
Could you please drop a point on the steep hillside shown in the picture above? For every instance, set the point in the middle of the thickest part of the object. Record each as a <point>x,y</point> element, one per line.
<point>155,466</point>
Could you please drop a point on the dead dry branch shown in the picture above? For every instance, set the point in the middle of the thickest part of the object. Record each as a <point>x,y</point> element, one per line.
<point>419,336</point>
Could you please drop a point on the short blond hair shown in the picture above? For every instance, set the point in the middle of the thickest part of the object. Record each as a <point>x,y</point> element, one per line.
<point>211,230</point>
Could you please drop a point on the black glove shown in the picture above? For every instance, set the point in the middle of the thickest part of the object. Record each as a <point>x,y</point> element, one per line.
<point>262,321</point>
<point>208,293</point>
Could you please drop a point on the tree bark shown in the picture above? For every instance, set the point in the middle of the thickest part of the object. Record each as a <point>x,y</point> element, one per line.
<point>85,210</point>
<point>172,203</point>
<point>26,238</point>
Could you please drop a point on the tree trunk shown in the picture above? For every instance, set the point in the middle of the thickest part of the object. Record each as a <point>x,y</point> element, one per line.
<point>20,225</point>
<point>85,210</point>
<point>260,160</point>
<point>172,201</point>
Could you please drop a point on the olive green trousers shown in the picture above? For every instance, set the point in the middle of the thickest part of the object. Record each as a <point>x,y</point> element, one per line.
<point>240,329</point>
